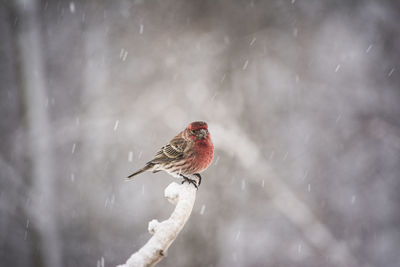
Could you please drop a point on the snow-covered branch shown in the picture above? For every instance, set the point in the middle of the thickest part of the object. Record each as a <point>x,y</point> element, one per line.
<point>164,233</point>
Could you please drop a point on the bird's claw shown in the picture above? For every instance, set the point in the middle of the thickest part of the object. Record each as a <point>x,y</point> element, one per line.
<point>190,181</point>
<point>198,176</point>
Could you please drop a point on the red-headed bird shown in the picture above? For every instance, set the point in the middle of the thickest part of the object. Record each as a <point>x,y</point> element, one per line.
<point>188,153</point>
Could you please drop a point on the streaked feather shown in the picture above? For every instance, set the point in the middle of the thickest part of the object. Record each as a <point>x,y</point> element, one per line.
<point>173,151</point>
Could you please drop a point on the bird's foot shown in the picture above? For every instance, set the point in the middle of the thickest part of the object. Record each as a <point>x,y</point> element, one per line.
<point>198,176</point>
<point>190,181</point>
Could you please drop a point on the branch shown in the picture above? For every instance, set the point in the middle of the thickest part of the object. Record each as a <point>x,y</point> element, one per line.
<point>164,233</point>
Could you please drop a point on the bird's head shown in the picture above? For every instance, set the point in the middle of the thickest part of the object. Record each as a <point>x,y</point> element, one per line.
<point>197,130</point>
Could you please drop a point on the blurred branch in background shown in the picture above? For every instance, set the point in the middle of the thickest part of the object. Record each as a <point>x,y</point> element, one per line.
<point>34,94</point>
<point>164,233</point>
<point>284,199</point>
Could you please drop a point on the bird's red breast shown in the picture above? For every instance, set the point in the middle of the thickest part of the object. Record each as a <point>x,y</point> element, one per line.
<point>204,153</point>
<point>203,147</point>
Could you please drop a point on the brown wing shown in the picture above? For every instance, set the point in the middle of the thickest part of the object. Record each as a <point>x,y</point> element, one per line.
<point>172,151</point>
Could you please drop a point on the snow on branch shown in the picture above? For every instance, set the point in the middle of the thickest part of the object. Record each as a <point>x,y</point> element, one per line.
<point>164,233</point>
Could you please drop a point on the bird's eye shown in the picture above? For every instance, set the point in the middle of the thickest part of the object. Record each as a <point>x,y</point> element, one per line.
<point>196,132</point>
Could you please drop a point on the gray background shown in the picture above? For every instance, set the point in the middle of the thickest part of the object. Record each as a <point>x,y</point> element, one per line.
<point>301,97</point>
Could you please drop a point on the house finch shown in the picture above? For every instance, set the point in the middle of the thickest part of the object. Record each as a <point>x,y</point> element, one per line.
<point>188,153</point>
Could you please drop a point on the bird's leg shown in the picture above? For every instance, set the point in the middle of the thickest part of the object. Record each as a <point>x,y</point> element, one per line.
<point>198,176</point>
<point>190,181</point>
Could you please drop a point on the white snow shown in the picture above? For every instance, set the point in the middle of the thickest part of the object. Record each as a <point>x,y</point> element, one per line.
<point>353,199</point>
<point>116,125</point>
<point>123,54</point>
<point>237,236</point>
<point>100,263</point>
<point>246,63</point>
<point>305,175</point>
<point>165,232</point>
<point>214,95</point>
<point>153,224</point>
<point>338,118</point>
<point>295,32</point>
<point>216,161</point>
<point>223,78</point>
<point>203,208</point>
<point>73,148</point>
<point>130,156</point>
<point>391,72</point>
<point>272,154</point>
<point>72,7</point>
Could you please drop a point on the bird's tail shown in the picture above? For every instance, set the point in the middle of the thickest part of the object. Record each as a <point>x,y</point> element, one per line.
<point>145,168</point>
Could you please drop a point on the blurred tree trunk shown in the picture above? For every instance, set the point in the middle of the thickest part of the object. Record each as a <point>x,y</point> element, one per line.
<point>95,93</point>
<point>33,91</point>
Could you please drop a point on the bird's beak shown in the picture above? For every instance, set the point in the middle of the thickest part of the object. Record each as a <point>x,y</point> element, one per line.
<point>203,133</point>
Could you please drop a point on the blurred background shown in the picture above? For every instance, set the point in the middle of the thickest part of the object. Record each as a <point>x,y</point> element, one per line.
<point>303,104</point>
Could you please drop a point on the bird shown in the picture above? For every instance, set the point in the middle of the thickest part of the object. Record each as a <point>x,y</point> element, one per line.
<point>188,154</point>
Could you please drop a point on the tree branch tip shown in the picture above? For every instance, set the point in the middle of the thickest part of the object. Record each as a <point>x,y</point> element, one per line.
<point>164,233</point>
<point>172,192</point>
<point>161,253</point>
<point>153,225</point>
